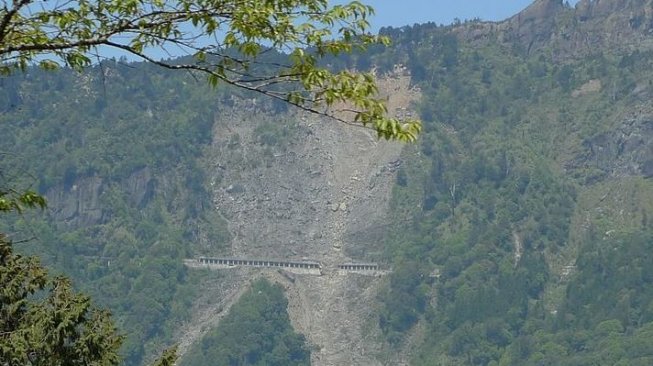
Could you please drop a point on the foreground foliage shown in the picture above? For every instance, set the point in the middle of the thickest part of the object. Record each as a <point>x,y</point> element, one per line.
<point>43,321</point>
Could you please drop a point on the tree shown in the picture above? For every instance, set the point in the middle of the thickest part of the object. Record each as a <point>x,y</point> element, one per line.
<point>256,332</point>
<point>226,41</point>
<point>44,322</point>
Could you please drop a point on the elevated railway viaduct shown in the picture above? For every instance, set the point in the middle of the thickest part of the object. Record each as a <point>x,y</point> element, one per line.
<point>299,266</point>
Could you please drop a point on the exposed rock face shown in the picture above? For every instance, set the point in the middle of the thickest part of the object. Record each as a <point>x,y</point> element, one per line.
<point>534,26</point>
<point>586,9</point>
<point>141,185</point>
<point>626,150</point>
<point>80,204</point>
<point>537,17</point>
<point>611,24</point>
<point>575,32</point>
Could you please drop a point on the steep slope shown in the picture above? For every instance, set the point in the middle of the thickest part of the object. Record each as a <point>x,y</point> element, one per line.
<point>591,26</point>
<point>302,198</point>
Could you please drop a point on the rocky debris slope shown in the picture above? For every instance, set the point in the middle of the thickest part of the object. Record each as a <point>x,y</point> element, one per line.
<point>304,200</point>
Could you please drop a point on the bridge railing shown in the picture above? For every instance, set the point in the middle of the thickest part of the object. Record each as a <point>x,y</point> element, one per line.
<point>259,263</point>
<point>359,267</point>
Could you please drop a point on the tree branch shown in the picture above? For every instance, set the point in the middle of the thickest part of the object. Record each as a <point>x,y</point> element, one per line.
<point>8,16</point>
<point>235,83</point>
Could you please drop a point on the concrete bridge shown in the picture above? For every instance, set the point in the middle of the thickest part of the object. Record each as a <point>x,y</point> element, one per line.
<point>259,263</point>
<point>296,266</point>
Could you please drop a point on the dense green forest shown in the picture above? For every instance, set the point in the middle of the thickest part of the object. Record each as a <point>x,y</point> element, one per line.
<point>256,332</point>
<point>522,217</point>
<point>131,156</point>
<point>499,197</point>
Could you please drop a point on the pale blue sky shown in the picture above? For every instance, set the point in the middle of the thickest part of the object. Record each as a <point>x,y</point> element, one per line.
<point>397,13</point>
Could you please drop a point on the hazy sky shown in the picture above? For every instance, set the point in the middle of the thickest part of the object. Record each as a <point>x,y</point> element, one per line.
<point>407,12</point>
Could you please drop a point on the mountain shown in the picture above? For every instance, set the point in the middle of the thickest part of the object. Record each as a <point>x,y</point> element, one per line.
<point>516,231</point>
<point>529,189</point>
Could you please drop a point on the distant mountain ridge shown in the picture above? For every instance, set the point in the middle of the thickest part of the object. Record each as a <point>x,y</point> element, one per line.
<point>589,26</point>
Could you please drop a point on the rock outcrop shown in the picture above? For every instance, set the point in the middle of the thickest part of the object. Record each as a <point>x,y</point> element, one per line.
<point>626,150</point>
<point>79,204</point>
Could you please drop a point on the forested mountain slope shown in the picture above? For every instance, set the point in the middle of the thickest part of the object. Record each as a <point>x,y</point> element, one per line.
<point>523,213</point>
<point>518,228</point>
<point>116,151</point>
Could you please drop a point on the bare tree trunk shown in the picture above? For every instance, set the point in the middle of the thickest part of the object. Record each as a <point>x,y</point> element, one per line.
<point>452,193</point>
